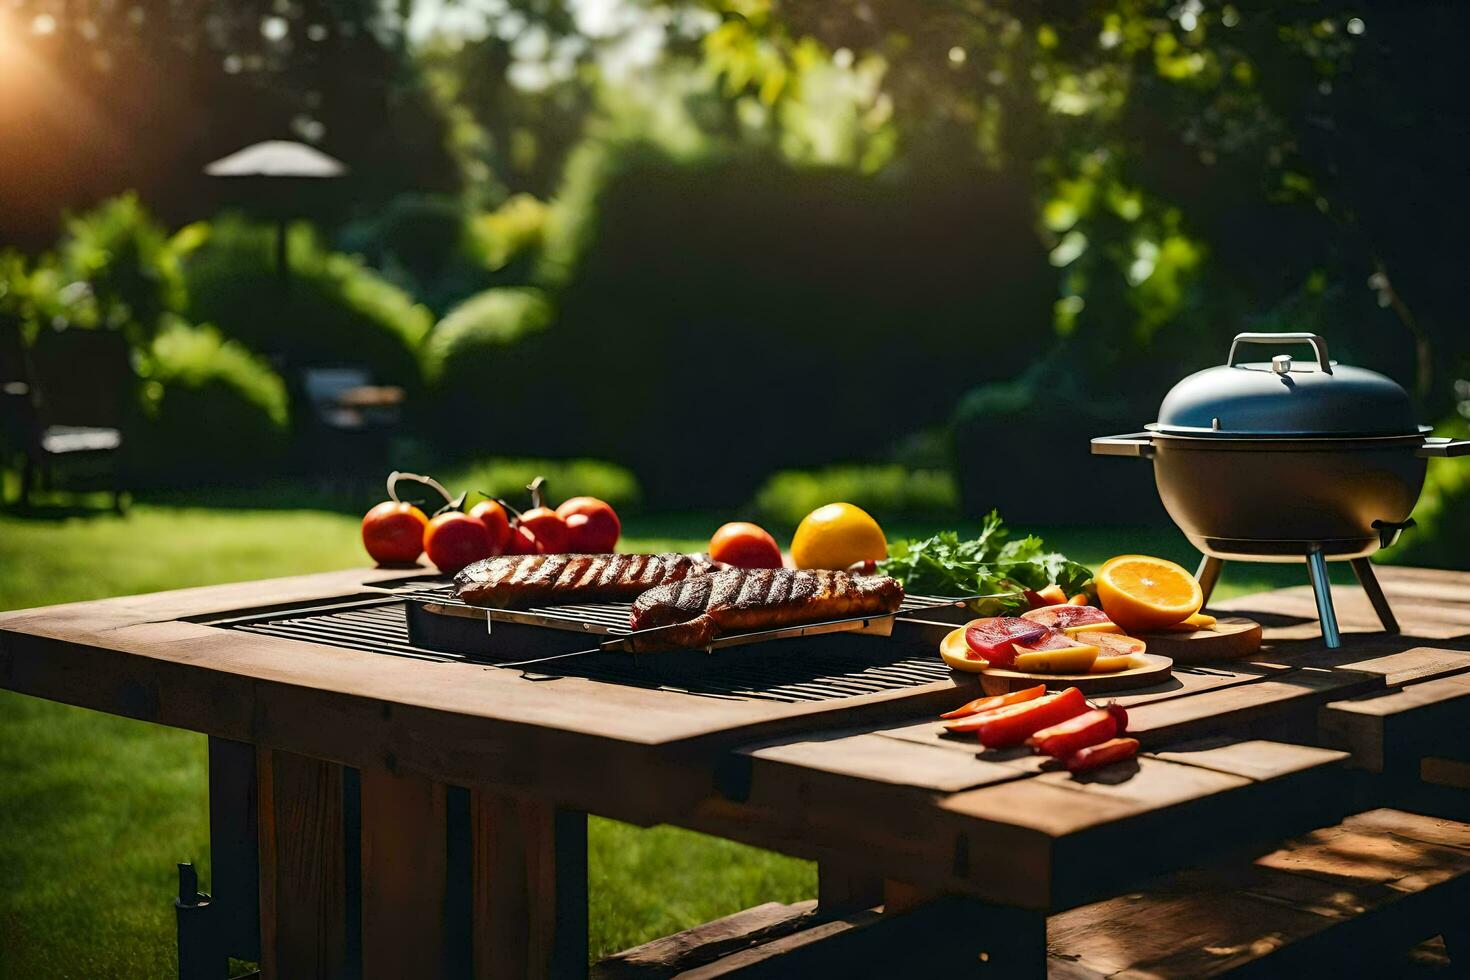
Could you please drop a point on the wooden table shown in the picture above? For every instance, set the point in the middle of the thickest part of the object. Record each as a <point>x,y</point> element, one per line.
<point>389,815</point>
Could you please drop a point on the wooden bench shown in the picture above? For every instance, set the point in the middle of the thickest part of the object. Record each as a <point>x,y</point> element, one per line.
<point>1415,741</point>
<point>1330,902</point>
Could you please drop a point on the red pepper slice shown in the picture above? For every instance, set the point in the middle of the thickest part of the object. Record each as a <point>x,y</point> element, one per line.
<point>1015,723</point>
<point>1113,750</point>
<point>1086,729</point>
<point>980,705</point>
<point>973,723</point>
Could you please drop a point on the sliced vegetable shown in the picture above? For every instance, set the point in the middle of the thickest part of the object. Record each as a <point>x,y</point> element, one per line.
<point>1088,728</point>
<point>976,721</point>
<point>1115,651</point>
<point>1072,619</point>
<point>981,705</point>
<point>1080,599</point>
<point>994,639</point>
<point>954,645</point>
<point>1113,750</point>
<point>1052,595</point>
<point>1075,659</point>
<point>1014,724</point>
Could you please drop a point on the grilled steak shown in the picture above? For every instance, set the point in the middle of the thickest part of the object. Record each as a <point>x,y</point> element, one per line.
<point>526,580</point>
<point>743,599</point>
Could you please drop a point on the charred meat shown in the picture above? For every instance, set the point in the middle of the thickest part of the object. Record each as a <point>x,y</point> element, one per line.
<point>528,580</point>
<point>737,600</point>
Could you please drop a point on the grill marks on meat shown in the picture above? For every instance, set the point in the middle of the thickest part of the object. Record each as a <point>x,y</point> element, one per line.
<point>741,600</point>
<point>528,580</point>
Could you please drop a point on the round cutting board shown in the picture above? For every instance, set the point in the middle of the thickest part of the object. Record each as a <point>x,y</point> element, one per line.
<point>1232,638</point>
<point>1152,669</point>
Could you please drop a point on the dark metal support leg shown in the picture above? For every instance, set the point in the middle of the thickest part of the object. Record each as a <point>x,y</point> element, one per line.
<point>1207,575</point>
<point>1317,572</point>
<point>1363,568</point>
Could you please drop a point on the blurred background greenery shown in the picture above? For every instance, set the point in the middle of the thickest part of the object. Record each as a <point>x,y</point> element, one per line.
<point>906,236</point>
<point>702,258</point>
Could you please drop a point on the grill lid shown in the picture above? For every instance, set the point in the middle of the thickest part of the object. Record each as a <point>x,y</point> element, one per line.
<point>1285,398</point>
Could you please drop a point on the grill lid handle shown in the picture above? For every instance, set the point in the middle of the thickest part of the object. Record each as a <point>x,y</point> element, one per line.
<point>1319,344</point>
<point>1139,444</point>
<point>1437,447</point>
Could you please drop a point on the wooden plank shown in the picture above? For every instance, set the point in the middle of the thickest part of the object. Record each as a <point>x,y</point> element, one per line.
<point>1442,615</point>
<point>951,936</point>
<point>1334,900</point>
<point>877,759</point>
<point>404,876</point>
<point>1255,759</point>
<point>530,889</point>
<point>1450,773</point>
<point>303,894</point>
<point>1234,708</point>
<point>1395,729</point>
<point>234,847</point>
<point>1397,664</point>
<point>706,943</point>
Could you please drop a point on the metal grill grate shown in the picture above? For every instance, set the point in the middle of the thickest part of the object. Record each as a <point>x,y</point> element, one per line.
<point>788,671</point>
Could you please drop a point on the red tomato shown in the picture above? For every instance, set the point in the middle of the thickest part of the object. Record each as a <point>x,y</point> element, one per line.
<point>592,525</point>
<point>549,530</point>
<point>522,542</point>
<point>493,516</point>
<point>745,545</point>
<point>454,540</point>
<point>393,533</point>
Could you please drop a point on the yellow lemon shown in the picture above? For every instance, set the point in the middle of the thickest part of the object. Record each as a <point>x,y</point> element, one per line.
<point>836,536</point>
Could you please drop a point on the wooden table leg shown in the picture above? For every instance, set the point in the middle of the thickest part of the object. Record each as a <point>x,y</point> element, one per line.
<point>530,889</point>
<point>303,874</point>
<point>1008,942</point>
<point>234,847</point>
<point>404,876</point>
<point>843,888</point>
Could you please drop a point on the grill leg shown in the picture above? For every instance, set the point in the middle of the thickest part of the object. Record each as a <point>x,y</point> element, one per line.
<point>1317,572</point>
<point>1207,575</point>
<point>1363,568</point>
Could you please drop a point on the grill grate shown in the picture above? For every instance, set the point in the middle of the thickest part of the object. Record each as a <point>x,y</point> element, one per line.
<point>790,671</point>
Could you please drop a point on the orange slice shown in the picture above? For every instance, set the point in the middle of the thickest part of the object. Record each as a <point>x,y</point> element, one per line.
<point>1199,621</point>
<point>955,652</point>
<point>1140,593</point>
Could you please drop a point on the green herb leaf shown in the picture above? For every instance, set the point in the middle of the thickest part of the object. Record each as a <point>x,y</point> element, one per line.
<point>987,565</point>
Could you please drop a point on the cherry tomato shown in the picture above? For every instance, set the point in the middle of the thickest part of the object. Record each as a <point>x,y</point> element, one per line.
<point>393,533</point>
<point>455,539</point>
<point>522,542</point>
<point>493,516</point>
<point>745,545</point>
<point>549,530</point>
<point>592,525</point>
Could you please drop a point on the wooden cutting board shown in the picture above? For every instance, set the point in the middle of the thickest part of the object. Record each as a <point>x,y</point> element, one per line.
<point>1233,638</point>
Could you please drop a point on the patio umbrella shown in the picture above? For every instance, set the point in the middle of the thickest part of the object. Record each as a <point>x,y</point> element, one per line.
<point>275,176</point>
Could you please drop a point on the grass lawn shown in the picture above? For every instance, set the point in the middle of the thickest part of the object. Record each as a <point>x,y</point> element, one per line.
<point>95,810</point>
